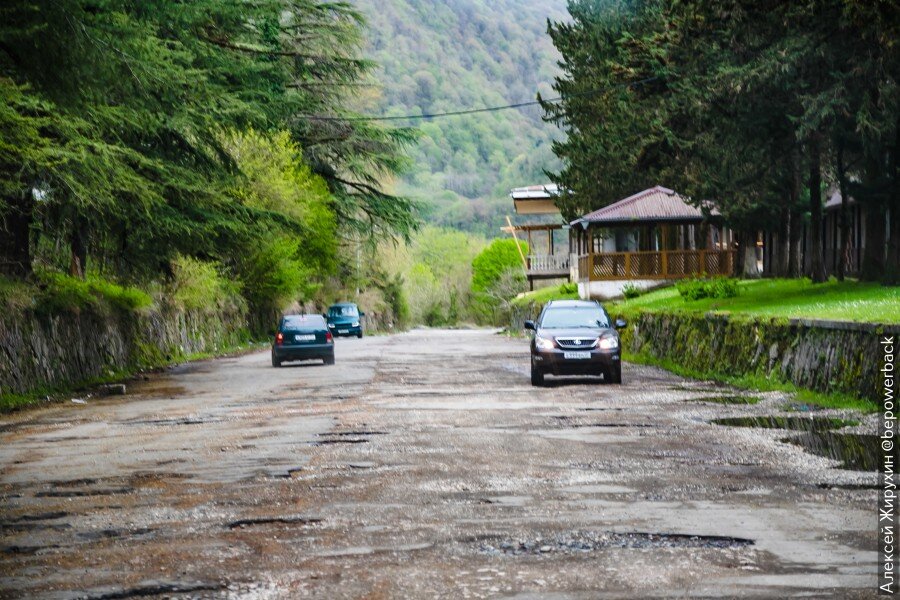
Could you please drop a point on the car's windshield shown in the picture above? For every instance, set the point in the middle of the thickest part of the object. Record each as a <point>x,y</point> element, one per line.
<point>303,321</point>
<point>343,311</point>
<point>570,318</point>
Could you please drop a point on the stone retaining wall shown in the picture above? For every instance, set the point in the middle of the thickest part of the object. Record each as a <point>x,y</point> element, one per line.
<point>48,351</point>
<point>825,356</point>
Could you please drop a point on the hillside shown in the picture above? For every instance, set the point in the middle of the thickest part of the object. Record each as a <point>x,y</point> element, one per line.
<point>446,55</point>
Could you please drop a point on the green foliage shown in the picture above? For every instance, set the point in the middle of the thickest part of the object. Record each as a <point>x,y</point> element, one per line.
<point>274,275</point>
<point>444,56</point>
<point>697,288</point>
<point>200,285</point>
<point>629,290</point>
<point>499,257</point>
<point>541,296</point>
<point>436,270</point>
<point>59,293</point>
<point>393,292</point>
<point>751,104</point>
<point>134,133</point>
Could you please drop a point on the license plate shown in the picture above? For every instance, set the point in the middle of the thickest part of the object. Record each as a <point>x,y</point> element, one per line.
<point>576,355</point>
<point>305,338</point>
<point>343,331</point>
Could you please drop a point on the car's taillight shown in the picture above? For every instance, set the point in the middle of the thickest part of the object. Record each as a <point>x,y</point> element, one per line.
<point>279,337</point>
<point>329,337</point>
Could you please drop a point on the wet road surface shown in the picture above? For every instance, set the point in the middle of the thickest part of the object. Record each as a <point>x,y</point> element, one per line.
<point>422,464</point>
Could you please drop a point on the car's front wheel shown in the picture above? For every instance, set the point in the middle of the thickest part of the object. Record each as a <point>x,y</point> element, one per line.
<point>614,374</point>
<point>537,376</point>
<point>359,335</point>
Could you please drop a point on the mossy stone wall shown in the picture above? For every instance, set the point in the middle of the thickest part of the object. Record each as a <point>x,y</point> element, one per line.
<point>41,351</point>
<point>825,356</point>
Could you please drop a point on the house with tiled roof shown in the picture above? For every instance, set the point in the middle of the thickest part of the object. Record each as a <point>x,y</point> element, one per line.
<point>648,239</point>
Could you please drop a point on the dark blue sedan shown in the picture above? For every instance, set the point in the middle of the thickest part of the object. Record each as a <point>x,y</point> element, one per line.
<point>302,337</point>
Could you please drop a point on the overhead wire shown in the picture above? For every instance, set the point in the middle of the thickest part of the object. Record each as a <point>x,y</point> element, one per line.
<point>486,109</point>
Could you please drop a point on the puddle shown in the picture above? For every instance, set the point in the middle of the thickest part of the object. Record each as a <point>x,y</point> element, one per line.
<point>287,520</point>
<point>726,399</point>
<point>855,452</point>
<point>591,541</point>
<point>791,423</point>
<point>155,588</point>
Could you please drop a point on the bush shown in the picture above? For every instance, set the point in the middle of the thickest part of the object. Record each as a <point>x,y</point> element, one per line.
<point>199,285</point>
<point>274,275</point>
<point>629,290</point>
<point>568,288</point>
<point>717,287</point>
<point>60,292</point>
<point>495,260</point>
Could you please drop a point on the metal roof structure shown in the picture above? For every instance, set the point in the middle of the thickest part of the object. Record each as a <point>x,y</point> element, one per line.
<point>657,204</point>
<point>535,199</point>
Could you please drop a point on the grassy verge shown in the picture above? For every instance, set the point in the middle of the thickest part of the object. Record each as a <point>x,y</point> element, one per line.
<point>52,395</point>
<point>784,298</point>
<point>758,383</point>
<point>566,291</point>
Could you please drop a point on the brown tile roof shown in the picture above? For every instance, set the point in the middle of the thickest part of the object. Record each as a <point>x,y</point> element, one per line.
<point>655,204</point>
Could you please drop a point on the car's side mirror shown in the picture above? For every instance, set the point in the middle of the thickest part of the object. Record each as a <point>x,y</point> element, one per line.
<point>362,314</point>
<point>621,323</point>
<point>530,325</point>
<point>325,316</point>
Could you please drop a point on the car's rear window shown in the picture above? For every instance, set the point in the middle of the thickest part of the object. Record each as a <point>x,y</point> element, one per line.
<point>564,318</point>
<point>295,321</point>
<point>343,311</point>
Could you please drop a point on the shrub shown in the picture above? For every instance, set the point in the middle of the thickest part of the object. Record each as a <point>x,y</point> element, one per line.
<point>717,287</point>
<point>274,275</point>
<point>60,292</point>
<point>568,288</point>
<point>122,297</point>
<point>492,262</point>
<point>629,290</point>
<point>199,285</point>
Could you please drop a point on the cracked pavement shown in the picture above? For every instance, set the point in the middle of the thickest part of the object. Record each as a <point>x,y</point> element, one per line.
<point>422,464</point>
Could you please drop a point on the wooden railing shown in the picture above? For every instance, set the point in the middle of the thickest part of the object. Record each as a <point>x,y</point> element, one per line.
<point>548,263</point>
<point>665,264</point>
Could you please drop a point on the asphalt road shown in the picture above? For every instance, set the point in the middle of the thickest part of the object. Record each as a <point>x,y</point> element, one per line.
<point>421,465</point>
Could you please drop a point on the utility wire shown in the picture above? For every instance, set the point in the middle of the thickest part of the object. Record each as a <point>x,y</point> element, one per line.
<point>473,111</point>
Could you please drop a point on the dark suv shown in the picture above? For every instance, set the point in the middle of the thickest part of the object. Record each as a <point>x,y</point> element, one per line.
<point>574,337</point>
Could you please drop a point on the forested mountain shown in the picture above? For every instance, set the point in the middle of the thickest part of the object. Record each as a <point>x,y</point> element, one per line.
<point>446,55</point>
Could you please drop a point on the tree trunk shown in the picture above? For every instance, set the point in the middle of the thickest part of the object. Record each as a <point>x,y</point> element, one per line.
<point>817,257</point>
<point>781,255</point>
<point>892,268</point>
<point>15,236</point>
<point>795,258</point>
<point>78,247</point>
<point>750,268</point>
<point>873,258</point>
<point>844,257</point>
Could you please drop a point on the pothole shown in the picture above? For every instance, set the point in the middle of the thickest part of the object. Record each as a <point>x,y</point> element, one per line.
<point>156,588</point>
<point>854,451</point>
<point>726,399</point>
<point>285,520</point>
<point>82,493</point>
<point>590,541</point>
<point>790,423</point>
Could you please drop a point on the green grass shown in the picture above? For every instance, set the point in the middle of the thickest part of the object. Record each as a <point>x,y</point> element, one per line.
<point>784,298</point>
<point>759,383</point>
<point>566,291</point>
